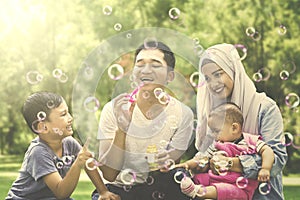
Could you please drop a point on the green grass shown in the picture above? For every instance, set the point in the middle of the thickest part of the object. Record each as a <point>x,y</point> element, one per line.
<point>9,166</point>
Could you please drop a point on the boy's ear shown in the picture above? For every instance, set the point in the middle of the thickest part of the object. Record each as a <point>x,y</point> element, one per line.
<point>42,127</point>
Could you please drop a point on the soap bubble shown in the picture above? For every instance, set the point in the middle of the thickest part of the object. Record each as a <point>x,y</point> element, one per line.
<point>174,13</point>
<point>292,100</point>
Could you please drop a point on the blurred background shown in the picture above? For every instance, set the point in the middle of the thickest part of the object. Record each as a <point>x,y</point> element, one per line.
<point>44,43</point>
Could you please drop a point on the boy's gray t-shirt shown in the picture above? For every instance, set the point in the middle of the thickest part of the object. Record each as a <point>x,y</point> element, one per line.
<point>39,161</point>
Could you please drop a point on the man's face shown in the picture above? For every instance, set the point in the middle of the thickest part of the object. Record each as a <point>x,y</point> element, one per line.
<point>151,68</point>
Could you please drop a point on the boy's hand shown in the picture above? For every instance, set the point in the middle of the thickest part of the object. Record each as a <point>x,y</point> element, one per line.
<point>123,111</point>
<point>83,155</point>
<point>263,175</point>
<point>107,195</point>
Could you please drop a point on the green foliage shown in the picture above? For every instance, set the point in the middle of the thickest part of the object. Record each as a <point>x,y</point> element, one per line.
<point>46,35</point>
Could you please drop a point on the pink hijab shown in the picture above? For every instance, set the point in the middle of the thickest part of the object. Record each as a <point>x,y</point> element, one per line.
<point>244,93</point>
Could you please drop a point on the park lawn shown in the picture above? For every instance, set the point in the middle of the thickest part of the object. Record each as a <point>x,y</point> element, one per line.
<point>9,166</point>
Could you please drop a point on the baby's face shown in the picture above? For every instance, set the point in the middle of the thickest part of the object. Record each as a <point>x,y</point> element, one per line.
<point>222,130</point>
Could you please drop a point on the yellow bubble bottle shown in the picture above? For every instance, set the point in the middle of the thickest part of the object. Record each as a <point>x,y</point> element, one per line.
<point>151,153</point>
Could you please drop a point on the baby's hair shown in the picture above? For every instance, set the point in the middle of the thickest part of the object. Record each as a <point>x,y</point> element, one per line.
<point>39,102</point>
<point>230,111</point>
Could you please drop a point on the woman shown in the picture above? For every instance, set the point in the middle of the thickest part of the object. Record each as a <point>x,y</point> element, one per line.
<point>227,81</point>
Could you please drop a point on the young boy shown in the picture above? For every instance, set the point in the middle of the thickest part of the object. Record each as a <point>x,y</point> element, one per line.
<point>221,181</point>
<point>54,159</point>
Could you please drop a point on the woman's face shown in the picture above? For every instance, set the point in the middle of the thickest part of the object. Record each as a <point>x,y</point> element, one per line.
<point>218,81</point>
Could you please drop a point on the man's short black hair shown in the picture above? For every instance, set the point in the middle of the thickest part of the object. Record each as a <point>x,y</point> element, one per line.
<point>168,54</point>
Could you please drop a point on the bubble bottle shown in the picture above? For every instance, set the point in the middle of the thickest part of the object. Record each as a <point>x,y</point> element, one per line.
<point>150,154</point>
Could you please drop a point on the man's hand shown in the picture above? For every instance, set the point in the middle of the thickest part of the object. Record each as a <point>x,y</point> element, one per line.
<point>122,109</point>
<point>107,195</point>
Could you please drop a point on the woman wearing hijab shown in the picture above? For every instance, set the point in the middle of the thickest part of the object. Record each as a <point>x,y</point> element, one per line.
<point>227,81</point>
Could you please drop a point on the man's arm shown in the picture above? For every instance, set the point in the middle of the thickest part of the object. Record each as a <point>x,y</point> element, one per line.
<point>100,186</point>
<point>112,151</point>
<point>113,155</point>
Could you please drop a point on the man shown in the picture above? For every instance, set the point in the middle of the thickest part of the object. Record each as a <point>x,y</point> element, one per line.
<point>158,129</point>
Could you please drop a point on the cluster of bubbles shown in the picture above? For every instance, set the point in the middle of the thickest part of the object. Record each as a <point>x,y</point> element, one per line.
<point>198,49</point>
<point>60,75</point>
<point>222,168</point>
<point>41,117</point>
<point>107,10</point>
<point>34,77</point>
<point>92,163</point>
<point>264,73</point>
<point>288,68</point>
<point>129,176</point>
<point>292,99</point>
<point>65,161</point>
<point>162,97</point>
<point>116,72</point>
<point>253,34</point>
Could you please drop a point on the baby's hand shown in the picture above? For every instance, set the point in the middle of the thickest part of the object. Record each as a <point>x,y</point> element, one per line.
<point>263,175</point>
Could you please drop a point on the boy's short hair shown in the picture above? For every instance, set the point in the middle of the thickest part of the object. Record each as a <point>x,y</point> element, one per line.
<point>168,54</point>
<point>39,102</point>
<point>230,112</point>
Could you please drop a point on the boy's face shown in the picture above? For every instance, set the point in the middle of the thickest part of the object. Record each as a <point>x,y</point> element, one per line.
<point>60,121</point>
<point>223,130</point>
<point>151,68</point>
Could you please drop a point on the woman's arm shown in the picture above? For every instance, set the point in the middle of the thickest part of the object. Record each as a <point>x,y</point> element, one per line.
<point>270,128</point>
